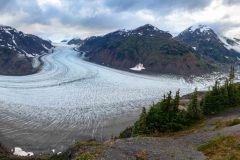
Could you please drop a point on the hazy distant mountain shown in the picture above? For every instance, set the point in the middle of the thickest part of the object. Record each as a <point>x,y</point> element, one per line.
<point>75,41</point>
<point>64,41</point>
<point>18,51</point>
<point>205,41</point>
<point>148,47</point>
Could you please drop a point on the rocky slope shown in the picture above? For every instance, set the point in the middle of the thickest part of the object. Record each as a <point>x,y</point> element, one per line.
<point>19,51</point>
<point>211,45</point>
<point>147,46</point>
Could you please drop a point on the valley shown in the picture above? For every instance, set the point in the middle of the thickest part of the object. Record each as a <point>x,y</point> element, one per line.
<point>119,80</point>
<point>70,99</point>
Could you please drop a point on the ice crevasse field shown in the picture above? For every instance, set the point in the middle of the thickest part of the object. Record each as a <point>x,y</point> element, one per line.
<point>73,99</point>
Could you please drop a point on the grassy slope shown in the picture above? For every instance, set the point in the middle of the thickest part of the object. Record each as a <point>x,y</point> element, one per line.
<point>222,148</point>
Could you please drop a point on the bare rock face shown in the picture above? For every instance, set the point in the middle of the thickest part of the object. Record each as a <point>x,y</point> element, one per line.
<point>156,50</point>
<point>18,50</point>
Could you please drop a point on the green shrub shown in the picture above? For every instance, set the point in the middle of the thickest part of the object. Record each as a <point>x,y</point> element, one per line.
<point>233,122</point>
<point>165,116</point>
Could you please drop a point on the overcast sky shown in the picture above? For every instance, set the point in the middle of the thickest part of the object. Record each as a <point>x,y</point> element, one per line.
<point>60,19</point>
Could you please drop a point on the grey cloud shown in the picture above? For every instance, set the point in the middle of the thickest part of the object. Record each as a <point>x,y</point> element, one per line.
<point>157,5</point>
<point>231,2</point>
<point>72,16</point>
<point>7,5</point>
<point>103,15</point>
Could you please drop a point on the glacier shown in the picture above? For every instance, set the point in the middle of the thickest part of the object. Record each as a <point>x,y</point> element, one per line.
<point>70,98</point>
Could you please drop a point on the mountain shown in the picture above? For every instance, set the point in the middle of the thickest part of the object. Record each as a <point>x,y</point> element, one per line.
<point>18,51</point>
<point>75,41</point>
<point>145,48</point>
<point>209,44</point>
<point>64,41</point>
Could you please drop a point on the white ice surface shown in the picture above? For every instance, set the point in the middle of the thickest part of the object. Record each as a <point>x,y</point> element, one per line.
<point>70,96</point>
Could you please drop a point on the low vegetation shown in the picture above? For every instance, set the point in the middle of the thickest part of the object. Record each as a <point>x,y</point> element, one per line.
<point>89,150</point>
<point>166,117</point>
<point>141,155</point>
<point>228,123</point>
<point>54,157</point>
<point>220,98</point>
<point>222,148</point>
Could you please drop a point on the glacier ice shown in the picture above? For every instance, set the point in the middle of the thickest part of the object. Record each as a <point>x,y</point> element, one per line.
<point>71,98</point>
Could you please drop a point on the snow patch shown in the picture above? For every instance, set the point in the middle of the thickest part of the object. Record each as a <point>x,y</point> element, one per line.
<point>6,31</point>
<point>19,152</point>
<point>156,29</point>
<point>14,42</point>
<point>35,62</point>
<point>228,46</point>
<point>138,67</point>
<point>27,54</point>
<point>195,48</point>
<point>202,28</point>
<point>48,49</point>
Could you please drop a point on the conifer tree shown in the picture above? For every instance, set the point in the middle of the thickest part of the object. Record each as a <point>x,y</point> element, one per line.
<point>166,106</point>
<point>231,74</point>
<point>194,110</point>
<point>140,126</point>
<point>176,102</point>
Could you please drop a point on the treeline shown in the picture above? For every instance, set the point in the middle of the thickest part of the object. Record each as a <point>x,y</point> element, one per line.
<point>222,97</point>
<point>165,116</point>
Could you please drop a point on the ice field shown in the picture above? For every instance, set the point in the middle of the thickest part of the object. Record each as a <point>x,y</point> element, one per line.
<point>74,99</point>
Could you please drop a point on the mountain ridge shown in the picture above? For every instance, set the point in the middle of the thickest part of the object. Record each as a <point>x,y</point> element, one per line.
<point>157,50</point>
<point>210,44</point>
<point>19,51</point>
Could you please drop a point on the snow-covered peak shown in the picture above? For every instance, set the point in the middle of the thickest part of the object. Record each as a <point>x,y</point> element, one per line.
<point>7,29</point>
<point>149,27</point>
<point>145,30</point>
<point>3,26</point>
<point>201,28</point>
<point>19,42</point>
